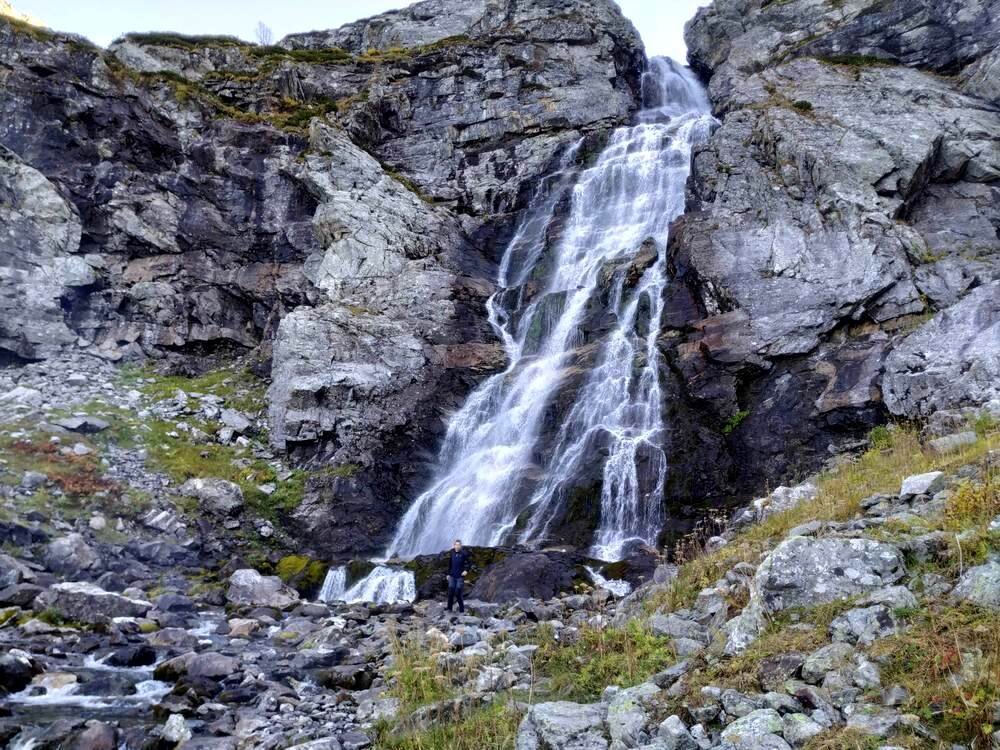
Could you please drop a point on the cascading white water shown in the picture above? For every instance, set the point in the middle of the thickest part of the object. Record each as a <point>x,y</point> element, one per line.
<point>382,584</point>
<point>492,485</point>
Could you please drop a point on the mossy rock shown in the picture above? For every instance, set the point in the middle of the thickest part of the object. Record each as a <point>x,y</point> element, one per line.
<point>302,573</point>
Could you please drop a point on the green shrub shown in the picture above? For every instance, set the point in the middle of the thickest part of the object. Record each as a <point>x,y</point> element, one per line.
<point>803,106</point>
<point>735,421</point>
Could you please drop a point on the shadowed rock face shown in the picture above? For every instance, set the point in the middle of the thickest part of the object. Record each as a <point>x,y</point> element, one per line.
<point>337,213</point>
<point>840,204</point>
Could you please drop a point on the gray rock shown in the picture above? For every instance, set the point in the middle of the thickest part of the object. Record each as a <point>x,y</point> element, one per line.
<point>235,420</point>
<point>980,585</point>
<point>217,496</point>
<point>250,588</point>
<point>953,442</point>
<point>798,729</point>
<point>70,556</point>
<point>761,728</point>
<point>804,572</point>
<point>879,722</point>
<point>214,666</point>
<point>864,625</point>
<point>953,360</point>
<point>677,627</point>
<point>827,658</point>
<point>922,484</point>
<point>85,602</point>
<point>628,715</point>
<point>563,725</point>
<point>673,734</point>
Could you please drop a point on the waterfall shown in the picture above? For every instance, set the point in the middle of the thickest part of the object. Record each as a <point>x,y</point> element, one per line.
<point>383,584</point>
<point>495,482</point>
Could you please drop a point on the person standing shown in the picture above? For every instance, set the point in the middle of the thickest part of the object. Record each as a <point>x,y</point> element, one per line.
<point>458,564</point>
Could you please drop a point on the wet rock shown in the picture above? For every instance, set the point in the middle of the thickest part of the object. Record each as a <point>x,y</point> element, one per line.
<point>175,730</point>
<point>132,656</point>
<point>17,669</point>
<point>96,736</point>
<point>531,575</point>
<point>212,666</point>
<point>248,587</point>
<point>217,496</point>
<point>85,602</point>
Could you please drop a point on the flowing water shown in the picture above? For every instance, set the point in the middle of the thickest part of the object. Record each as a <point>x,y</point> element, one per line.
<point>495,482</point>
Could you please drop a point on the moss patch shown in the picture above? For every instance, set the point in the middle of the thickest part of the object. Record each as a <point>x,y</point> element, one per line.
<point>303,573</point>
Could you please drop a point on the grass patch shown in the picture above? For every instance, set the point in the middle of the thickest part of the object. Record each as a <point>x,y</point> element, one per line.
<point>414,678</point>
<point>581,670</point>
<point>238,387</point>
<point>974,504</point>
<point>842,738</point>
<point>949,661</point>
<point>491,728</point>
<point>182,41</point>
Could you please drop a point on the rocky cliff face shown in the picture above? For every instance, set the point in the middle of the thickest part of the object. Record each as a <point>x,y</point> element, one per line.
<point>338,201</point>
<point>839,260</point>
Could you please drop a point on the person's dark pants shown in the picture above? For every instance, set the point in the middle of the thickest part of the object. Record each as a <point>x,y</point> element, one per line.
<point>455,586</point>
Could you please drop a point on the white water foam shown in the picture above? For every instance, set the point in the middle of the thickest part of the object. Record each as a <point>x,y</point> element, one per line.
<point>615,586</point>
<point>383,584</point>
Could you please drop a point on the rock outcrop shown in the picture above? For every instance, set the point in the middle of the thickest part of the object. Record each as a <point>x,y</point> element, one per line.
<point>849,193</point>
<point>337,203</point>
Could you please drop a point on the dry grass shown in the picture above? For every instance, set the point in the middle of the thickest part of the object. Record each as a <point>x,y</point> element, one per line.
<point>490,728</point>
<point>414,677</point>
<point>949,661</point>
<point>839,499</point>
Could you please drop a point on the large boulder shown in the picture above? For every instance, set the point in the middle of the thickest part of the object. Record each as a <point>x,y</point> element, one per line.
<point>216,496</point>
<point>86,602</point>
<point>525,575</point>
<point>249,588</point>
<point>805,571</point>
<point>70,556</point>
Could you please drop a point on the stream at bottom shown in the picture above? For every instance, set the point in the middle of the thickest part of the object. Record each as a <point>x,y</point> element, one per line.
<point>93,687</point>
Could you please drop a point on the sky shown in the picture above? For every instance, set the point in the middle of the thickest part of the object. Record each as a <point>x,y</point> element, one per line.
<point>661,22</point>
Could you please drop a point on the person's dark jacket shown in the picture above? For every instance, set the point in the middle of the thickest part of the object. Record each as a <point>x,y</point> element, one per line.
<point>458,563</point>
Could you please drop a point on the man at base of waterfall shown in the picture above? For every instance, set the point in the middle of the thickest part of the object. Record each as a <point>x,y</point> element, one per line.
<point>458,563</point>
